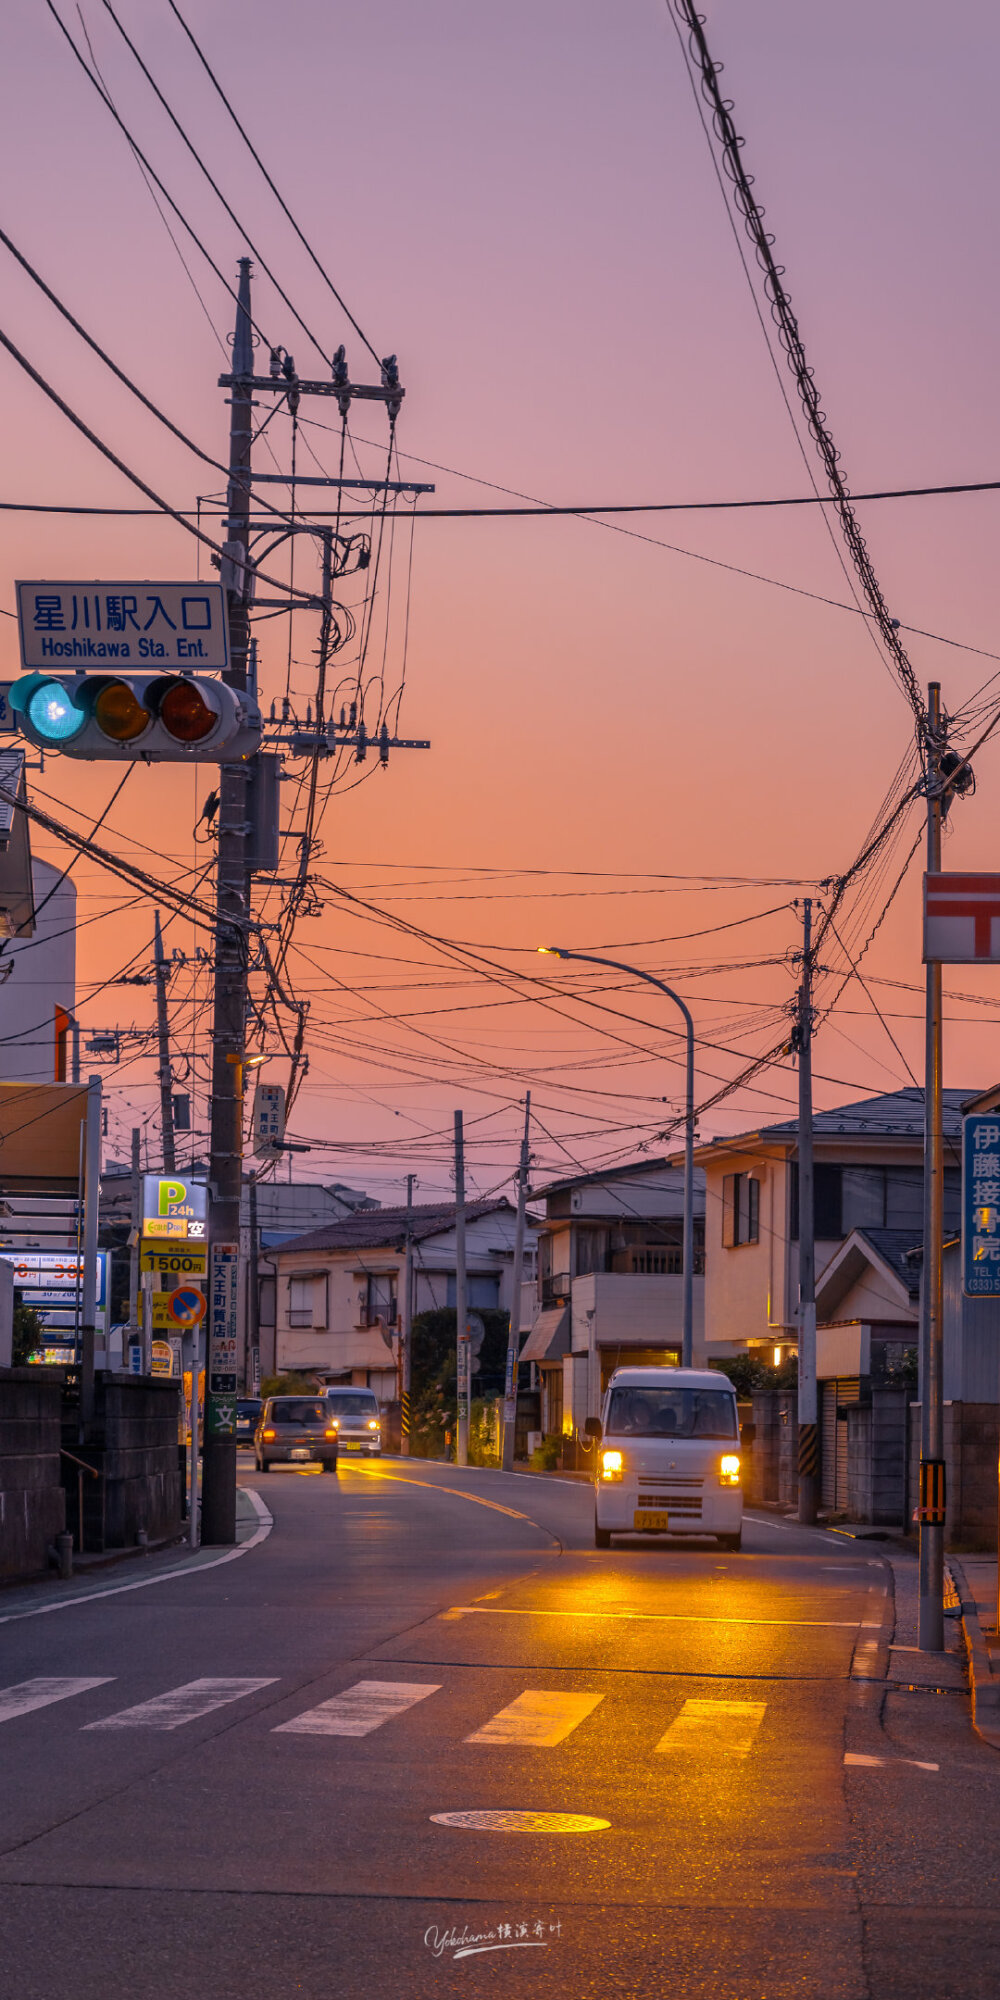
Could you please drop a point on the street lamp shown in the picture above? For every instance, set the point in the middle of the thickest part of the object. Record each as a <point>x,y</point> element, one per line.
<point>636,972</point>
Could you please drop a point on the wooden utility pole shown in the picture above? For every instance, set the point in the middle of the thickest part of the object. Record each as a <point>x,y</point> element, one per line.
<point>514,1330</point>
<point>406,1326</point>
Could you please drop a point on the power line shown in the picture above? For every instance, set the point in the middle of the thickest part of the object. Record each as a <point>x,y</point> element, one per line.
<point>283,205</point>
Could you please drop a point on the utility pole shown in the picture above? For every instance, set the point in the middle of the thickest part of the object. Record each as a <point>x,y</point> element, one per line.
<point>252,1371</point>
<point>463,1370</point>
<point>406,1329</point>
<point>930,1511</point>
<point>133,1261</point>
<point>808,1412</point>
<point>218,1523</point>
<point>514,1331</point>
<point>91,1209</point>
<point>163,1043</point>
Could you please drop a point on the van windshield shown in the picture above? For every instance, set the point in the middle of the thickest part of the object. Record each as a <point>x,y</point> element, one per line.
<point>676,1413</point>
<point>353,1406</point>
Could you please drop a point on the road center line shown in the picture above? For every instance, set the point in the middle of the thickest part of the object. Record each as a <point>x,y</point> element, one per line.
<point>649,1617</point>
<point>456,1491</point>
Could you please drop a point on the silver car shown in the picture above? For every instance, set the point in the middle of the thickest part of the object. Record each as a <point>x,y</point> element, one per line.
<point>359,1420</point>
<point>296,1429</point>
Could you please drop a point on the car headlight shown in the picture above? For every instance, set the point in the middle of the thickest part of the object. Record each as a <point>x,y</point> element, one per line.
<point>729,1470</point>
<point>611,1465</point>
<point>373,1423</point>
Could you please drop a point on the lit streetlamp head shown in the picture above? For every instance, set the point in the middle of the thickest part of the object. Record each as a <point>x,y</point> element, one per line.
<point>551,951</point>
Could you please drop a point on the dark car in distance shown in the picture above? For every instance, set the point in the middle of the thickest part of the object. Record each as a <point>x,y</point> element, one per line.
<point>248,1410</point>
<point>296,1430</point>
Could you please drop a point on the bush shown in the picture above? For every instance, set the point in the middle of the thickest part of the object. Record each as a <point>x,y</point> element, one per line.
<point>288,1385</point>
<point>545,1456</point>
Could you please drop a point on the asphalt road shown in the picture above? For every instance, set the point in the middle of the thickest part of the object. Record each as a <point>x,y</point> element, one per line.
<point>240,1781</point>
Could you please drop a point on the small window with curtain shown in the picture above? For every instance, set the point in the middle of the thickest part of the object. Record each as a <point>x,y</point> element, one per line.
<point>740,1210</point>
<point>300,1301</point>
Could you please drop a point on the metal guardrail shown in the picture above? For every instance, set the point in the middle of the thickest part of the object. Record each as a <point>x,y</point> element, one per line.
<point>92,1470</point>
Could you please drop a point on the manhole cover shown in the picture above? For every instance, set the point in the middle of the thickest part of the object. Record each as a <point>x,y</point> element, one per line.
<point>523,1822</point>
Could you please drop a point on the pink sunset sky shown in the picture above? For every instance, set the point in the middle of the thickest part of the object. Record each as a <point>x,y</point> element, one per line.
<point>520,203</point>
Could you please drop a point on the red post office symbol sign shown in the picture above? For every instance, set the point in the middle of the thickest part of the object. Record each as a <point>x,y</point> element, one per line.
<point>962,919</point>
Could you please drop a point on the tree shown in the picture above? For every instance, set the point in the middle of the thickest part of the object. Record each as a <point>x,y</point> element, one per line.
<point>29,1334</point>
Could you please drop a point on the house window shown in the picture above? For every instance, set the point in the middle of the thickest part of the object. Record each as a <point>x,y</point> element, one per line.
<point>828,1202</point>
<point>307,1299</point>
<point>300,1301</point>
<point>740,1210</point>
<point>380,1298</point>
<point>482,1294</point>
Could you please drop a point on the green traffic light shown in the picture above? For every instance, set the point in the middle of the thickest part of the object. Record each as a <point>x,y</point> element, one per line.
<point>49,707</point>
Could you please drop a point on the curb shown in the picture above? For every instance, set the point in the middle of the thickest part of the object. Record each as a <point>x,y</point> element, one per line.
<point>984,1683</point>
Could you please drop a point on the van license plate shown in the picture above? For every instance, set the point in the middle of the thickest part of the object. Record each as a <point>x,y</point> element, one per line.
<point>657,1524</point>
<point>300,1451</point>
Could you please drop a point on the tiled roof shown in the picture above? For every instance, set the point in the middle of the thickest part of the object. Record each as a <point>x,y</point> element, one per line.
<point>899,1115</point>
<point>894,1246</point>
<point>385,1228</point>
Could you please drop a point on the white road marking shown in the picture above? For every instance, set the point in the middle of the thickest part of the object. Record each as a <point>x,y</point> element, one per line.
<point>26,1695</point>
<point>875,1763</point>
<point>652,1617</point>
<point>359,1709</point>
<point>181,1704</point>
<point>538,1718</point>
<point>726,1727</point>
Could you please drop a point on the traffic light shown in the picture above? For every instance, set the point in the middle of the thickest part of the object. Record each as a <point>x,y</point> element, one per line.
<point>158,718</point>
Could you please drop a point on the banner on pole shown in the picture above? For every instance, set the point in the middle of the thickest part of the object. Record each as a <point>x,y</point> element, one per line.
<point>981,1205</point>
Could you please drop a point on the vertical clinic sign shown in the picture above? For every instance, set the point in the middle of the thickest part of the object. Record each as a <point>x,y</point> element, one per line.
<point>981,1205</point>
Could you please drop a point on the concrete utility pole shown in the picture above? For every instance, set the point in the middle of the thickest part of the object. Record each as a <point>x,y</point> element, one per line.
<point>463,1344</point>
<point>163,1043</point>
<point>218,1523</point>
<point>252,1367</point>
<point>514,1333</point>
<point>808,1412</point>
<point>930,1511</point>
<point>91,1210</point>
<point>406,1326</point>
<point>133,1255</point>
<point>636,972</point>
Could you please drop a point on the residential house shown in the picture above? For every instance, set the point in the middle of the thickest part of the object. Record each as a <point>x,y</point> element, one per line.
<point>333,1295</point>
<point>610,1283</point>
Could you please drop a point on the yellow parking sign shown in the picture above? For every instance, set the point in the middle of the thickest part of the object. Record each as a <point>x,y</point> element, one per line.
<point>191,1262</point>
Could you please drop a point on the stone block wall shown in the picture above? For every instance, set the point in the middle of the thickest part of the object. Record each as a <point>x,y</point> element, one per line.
<point>877,1459</point>
<point>132,1444</point>
<point>773,1470</point>
<point>32,1502</point>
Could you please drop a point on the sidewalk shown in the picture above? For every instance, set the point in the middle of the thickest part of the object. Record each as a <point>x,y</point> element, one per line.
<point>126,1569</point>
<point>976,1579</point>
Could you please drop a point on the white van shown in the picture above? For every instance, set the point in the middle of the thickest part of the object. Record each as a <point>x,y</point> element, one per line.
<point>668,1456</point>
<point>358,1419</point>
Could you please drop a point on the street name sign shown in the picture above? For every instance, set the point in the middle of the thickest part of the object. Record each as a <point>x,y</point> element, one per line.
<point>166,625</point>
<point>981,1205</point>
<point>962,919</point>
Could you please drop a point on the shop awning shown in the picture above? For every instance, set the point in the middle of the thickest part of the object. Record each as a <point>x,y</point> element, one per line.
<point>549,1338</point>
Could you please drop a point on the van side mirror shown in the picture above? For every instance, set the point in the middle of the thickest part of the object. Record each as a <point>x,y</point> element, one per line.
<point>592,1428</point>
<point>747,1433</point>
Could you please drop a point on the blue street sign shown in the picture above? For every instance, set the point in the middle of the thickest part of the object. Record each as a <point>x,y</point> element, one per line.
<point>981,1205</point>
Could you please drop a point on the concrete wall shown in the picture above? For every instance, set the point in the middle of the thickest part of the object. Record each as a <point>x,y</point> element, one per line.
<point>133,1445</point>
<point>971,1441</point>
<point>772,1477</point>
<point>625,1309</point>
<point>877,1459</point>
<point>32,1503</point>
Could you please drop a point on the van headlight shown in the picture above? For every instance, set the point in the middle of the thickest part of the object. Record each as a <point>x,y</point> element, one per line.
<point>611,1465</point>
<point>729,1470</point>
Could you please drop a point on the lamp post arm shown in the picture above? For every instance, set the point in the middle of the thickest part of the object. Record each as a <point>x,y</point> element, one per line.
<point>636,972</point>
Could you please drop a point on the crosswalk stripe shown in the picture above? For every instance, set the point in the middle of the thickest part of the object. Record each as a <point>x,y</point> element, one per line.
<point>727,1727</point>
<point>181,1704</point>
<point>537,1717</point>
<point>26,1695</point>
<point>359,1709</point>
